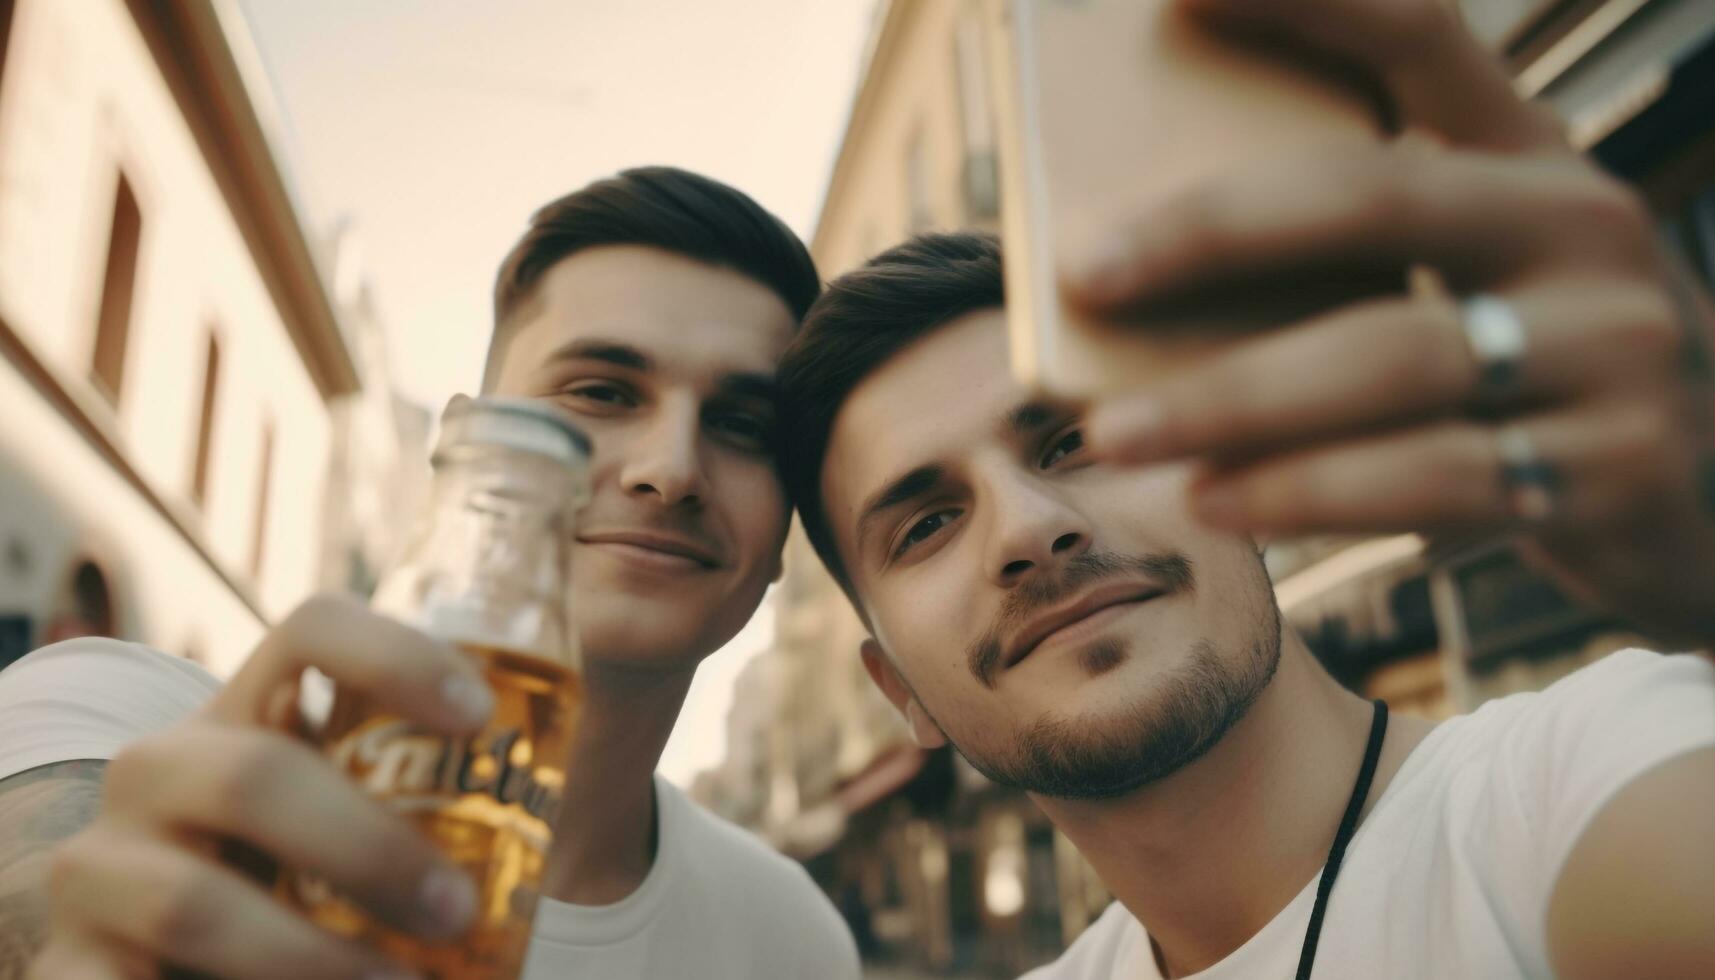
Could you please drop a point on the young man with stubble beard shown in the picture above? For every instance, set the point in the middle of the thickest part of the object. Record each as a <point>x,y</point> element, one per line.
<point>1070,628</point>
<point>1072,596</point>
<point>652,307</point>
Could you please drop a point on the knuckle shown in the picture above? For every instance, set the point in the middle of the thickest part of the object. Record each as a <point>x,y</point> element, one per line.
<point>1408,27</point>
<point>1655,427</point>
<point>1637,455</point>
<point>130,765</point>
<point>69,863</point>
<point>1200,221</point>
<point>1394,191</point>
<point>397,858</point>
<point>1285,495</point>
<point>54,962</point>
<point>1551,123</point>
<point>179,912</point>
<point>1604,205</point>
<point>133,770</point>
<point>301,622</point>
<point>1418,353</point>
<point>1649,321</point>
<point>1189,422</point>
<point>1634,334</point>
<point>243,779</point>
<point>1444,356</point>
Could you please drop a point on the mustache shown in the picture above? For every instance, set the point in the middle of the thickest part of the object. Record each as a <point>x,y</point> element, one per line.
<point>1169,570</point>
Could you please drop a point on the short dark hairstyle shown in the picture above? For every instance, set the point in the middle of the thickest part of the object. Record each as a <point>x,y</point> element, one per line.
<point>666,208</point>
<point>862,320</point>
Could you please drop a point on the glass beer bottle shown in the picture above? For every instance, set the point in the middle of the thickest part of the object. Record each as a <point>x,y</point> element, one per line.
<point>487,572</point>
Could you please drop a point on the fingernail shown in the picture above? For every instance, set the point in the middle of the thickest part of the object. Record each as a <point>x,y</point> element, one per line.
<point>448,898</point>
<point>1220,505</point>
<point>468,696</point>
<point>1128,431</point>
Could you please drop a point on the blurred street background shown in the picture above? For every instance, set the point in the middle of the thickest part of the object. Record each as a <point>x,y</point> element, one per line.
<point>245,253</point>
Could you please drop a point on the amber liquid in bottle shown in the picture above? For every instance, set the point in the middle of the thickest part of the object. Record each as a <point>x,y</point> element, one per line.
<point>488,802</point>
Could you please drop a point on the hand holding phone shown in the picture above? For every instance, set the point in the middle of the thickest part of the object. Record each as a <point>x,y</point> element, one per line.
<point>1106,106</point>
<point>1381,414</point>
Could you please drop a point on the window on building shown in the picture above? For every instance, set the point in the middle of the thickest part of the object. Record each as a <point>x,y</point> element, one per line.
<point>113,322</point>
<point>976,112</point>
<point>263,480</point>
<point>205,421</point>
<point>84,606</point>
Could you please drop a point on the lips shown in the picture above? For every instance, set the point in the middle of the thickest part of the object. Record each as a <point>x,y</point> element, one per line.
<point>654,547</point>
<point>1066,616</point>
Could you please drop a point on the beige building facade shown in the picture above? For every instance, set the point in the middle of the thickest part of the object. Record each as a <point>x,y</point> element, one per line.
<point>171,355</point>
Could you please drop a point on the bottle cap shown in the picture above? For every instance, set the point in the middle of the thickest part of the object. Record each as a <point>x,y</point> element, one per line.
<point>513,423</point>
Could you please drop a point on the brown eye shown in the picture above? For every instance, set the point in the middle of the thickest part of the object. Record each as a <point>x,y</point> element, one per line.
<point>1067,445</point>
<point>925,529</point>
<point>743,429</point>
<point>603,394</point>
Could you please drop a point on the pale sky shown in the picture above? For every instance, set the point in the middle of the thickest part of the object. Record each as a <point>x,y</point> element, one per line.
<point>439,125</point>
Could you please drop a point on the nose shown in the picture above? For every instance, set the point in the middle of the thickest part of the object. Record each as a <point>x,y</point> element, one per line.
<point>1033,529</point>
<point>663,461</point>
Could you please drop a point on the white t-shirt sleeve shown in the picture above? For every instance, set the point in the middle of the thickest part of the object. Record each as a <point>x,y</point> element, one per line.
<point>826,948</point>
<point>86,698</point>
<point>1595,732</point>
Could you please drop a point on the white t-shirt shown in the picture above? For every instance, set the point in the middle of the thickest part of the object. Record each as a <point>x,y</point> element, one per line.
<point>1451,872</point>
<point>717,904</point>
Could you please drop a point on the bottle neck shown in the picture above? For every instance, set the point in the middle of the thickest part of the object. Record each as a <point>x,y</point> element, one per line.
<point>489,566</point>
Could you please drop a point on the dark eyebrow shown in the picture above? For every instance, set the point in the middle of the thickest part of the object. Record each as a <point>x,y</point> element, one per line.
<point>762,387</point>
<point>613,352</point>
<point>1029,416</point>
<point>913,484</point>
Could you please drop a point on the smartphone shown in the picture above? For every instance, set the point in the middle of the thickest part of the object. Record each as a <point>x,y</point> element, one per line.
<point>1109,104</point>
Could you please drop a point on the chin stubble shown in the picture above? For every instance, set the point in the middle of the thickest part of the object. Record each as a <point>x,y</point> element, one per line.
<point>1187,713</point>
<point>1102,656</point>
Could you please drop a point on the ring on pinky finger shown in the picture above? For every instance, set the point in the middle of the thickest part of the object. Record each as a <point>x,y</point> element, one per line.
<point>1531,485</point>
<point>1453,475</point>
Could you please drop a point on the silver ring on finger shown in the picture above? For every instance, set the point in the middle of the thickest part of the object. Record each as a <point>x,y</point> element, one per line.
<point>1495,336</point>
<point>1531,484</point>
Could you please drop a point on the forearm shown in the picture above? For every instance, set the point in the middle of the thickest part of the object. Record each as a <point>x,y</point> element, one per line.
<point>38,809</point>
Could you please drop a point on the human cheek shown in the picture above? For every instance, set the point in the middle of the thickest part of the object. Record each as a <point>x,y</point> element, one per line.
<point>607,453</point>
<point>753,505</point>
<point>929,625</point>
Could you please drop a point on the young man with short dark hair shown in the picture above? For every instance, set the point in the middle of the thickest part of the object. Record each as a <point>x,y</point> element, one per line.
<point>1105,637</point>
<point>1075,634</point>
<point>652,307</point>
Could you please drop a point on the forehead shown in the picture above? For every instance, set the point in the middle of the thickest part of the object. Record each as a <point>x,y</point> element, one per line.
<point>686,315</point>
<point>934,401</point>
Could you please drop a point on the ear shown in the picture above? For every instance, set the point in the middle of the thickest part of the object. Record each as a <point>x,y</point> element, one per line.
<point>924,731</point>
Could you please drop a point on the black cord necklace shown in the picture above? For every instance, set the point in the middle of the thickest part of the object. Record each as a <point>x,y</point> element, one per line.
<point>1348,826</point>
